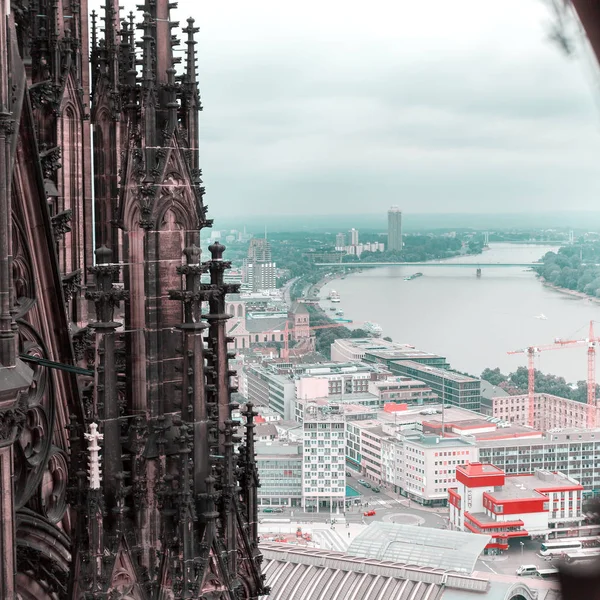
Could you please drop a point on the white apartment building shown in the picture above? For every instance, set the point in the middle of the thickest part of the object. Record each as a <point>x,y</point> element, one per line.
<point>429,466</point>
<point>324,464</point>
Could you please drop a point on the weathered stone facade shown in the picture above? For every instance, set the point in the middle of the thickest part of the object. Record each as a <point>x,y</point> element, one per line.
<point>118,475</point>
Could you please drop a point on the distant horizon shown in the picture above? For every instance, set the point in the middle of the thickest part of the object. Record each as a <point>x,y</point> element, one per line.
<point>581,220</point>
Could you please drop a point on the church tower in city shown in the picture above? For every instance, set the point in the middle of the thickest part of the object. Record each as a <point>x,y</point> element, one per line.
<point>119,474</point>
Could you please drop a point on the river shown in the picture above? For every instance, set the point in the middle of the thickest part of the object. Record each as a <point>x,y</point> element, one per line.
<point>471,321</point>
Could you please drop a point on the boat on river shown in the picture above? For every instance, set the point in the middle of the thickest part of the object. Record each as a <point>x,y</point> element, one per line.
<point>373,329</point>
<point>413,276</point>
<point>335,297</point>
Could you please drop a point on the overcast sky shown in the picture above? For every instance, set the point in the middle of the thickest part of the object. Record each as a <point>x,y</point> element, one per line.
<point>438,106</point>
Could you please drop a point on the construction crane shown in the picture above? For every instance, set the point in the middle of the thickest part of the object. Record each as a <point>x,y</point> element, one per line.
<point>531,352</point>
<point>285,353</point>
<point>592,341</point>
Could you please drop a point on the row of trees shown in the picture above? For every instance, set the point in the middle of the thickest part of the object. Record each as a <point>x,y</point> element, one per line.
<point>574,268</point>
<point>326,337</point>
<point>518,382</point>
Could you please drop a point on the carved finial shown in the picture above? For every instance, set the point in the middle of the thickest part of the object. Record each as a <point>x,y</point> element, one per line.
<point>192,254</point>
<point>103,255</point>
<point>191,51</point>
<point>147,58</point>
<point>106,297</point>
<point>217,250</point>
<point>94,471</point>
<point>94,31</point>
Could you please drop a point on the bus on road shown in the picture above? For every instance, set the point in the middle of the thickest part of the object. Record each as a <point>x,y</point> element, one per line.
<point>558,548</point>
<point>582,557</point>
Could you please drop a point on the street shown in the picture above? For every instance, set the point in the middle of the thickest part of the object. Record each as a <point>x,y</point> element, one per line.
<point>392,508</point>
<point>388,506</point>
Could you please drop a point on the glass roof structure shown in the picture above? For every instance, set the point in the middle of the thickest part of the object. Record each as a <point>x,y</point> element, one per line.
<point>422,546</point>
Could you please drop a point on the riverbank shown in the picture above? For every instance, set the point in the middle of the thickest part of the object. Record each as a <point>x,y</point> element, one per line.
<point>567,292</point>
<point>315,288</point>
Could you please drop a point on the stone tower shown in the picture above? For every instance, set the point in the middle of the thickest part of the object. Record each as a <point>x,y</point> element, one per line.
<point>118,475</point>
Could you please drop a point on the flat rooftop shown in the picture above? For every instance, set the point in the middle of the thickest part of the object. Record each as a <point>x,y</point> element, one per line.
<point>357,399</point>
<point>413,414</point>
<point>527,486</point>
<point>437,372</point>
<point>551,437</point>
<point>425,440</point>
<point>277,448</point>
<point>369,344</point>
<point>400,382</point>
<point>403,354</point>
<point>476,468</point>
<point>508,433</point>
<point>461,423</point>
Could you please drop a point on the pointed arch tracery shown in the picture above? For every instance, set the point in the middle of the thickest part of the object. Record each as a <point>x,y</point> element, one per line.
<point>176,196</point>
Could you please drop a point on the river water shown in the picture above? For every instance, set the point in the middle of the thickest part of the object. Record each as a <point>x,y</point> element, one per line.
<point>471,321</point>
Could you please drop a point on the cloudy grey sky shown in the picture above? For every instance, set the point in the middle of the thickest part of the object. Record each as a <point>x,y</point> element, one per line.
<point>439,106</point>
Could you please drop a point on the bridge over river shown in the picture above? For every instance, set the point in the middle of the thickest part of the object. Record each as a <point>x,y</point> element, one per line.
<point>429,264</point>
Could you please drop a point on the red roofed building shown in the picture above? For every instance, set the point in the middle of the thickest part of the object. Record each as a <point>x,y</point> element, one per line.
<point>487,501</point>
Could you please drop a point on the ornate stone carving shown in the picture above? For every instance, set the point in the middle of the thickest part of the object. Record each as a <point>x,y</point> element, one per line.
<point>34,441</point>
<point>71,284</point>
<point>82,341</point>
<point>60,223</point>
<point>7,124</point>
<point>44,93</point>
<point>53,487</point>
<point>11,421</point>
<point>50,159</point>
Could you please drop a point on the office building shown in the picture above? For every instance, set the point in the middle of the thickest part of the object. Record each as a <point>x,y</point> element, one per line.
<point>550,412</point>
<point>429,464</point>
<point>353,236</point>
<point>324,465</point>
<point>280,471</point>
<point>340,241</point>
<point>267,387</point>
<point>279,385</point>
<point>450,386</point>
<point>402,390</point>
<point>383,352</point>
<point>574,452</point>
<point>394,229</point>
<point>487,501</point>
<point>260,272</point>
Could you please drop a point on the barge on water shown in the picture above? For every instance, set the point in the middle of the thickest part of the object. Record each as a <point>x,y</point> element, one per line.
<point>413,276</point>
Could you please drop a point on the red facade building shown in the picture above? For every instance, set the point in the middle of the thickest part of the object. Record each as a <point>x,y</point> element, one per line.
<point>487,501</point>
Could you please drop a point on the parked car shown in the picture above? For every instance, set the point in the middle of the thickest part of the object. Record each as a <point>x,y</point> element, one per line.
<point>271,509</point>
<point>369,513</point>
<point>365,483</point>
<point>376,490</point>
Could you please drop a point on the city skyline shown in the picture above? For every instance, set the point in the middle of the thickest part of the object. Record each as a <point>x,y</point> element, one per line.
<point>452,117</point>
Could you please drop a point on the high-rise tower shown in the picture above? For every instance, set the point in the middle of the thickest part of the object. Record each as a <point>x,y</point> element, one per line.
<point>259,268</point>
<point>394,242</point>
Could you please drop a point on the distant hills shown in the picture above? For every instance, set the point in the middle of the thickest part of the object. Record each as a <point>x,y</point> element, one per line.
<point>578,220</point>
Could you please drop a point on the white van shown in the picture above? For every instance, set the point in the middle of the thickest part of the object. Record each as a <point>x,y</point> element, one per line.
<point>525,570</point>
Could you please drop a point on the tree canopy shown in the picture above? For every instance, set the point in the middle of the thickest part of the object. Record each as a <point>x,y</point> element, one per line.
<point>574,268</point>
<point>544,383</point>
